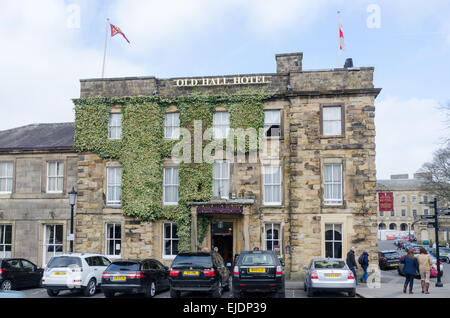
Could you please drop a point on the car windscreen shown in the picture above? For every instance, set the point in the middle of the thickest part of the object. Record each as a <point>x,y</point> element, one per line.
<point>193,260</point>
<point>390,254</point>
<point>329,264</point>
<point>64,261</point>
<point>123,266</point>
<point>264,259</point>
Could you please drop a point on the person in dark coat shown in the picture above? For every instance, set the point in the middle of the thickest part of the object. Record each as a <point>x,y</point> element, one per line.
<point>364,264</point>
<point>410,270</point>
<point>351,262</point>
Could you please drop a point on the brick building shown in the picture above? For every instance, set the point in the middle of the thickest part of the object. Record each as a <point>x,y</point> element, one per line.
<point>319,200</point>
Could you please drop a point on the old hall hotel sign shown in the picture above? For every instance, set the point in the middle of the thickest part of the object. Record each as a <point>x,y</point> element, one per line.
<point>221,81</point>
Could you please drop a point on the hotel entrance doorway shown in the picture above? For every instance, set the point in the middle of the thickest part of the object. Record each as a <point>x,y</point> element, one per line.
<point>222,238</point>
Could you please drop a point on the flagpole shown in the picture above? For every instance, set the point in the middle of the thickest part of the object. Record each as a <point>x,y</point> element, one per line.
<point>339,39</point>
<point>106,43</point>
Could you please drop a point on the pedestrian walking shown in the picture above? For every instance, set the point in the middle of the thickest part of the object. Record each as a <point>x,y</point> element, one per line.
<point>410,270</point>
<point>351,262</point>
<point>425,264</point>
<point>363,260</point>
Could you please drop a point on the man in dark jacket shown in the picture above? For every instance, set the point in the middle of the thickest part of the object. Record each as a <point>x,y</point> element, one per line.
<point>364,262</point>
<point>351,262</point>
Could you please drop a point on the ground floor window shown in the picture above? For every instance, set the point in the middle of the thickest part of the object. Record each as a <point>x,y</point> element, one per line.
<point>170,240</point>
<point>403,226</point>
<point>333,240</point>
<point>113,239</point>
<point>53,241</point>
<point>5,241</point>
<point>392,226</point>
<point>272,237</point>
<point>382,226</point>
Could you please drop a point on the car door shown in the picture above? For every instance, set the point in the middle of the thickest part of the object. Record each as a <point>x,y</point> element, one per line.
<point>163,274</point>
<point>98,267</point>
<point>31,276</point>
<point>15,272</point>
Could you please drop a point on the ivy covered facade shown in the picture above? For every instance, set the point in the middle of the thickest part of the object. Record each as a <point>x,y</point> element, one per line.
<point>313,196</point>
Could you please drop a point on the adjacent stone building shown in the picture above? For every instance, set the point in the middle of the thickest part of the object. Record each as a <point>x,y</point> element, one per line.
<point>409,198</point>
<point>318,200</point>
<point>38,167</point>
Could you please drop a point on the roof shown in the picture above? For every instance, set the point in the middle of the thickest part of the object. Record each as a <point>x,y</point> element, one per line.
<point>55,136</point>
<point>400,184</point>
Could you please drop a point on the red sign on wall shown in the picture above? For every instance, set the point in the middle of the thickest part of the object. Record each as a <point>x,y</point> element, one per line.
<point>386,201</point>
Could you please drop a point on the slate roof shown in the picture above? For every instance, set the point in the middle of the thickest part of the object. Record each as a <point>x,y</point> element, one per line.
<point>400,184</point>
<point>57,136</point>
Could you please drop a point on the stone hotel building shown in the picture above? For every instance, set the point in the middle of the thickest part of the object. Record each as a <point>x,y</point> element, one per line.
<point>315,196</point>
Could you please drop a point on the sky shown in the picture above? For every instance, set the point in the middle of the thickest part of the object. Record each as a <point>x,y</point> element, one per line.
<point>49,45</point>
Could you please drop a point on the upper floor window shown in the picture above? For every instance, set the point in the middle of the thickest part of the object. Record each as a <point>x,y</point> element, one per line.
<point>272,185</point>
<point>381,213</point>
<point>6,177</point>
<point>221,124</point>
<point>221,187</point>
<point>115,126</point>
<point>172,126</point>
<point>332,121</point>
<point>403,212</point>
<point>333,184</point>
<point>425,211</point>
<point>414,212</point>
<point>413,199</point>
<point>392,213</point>
<point>55,177</point>
<point>272,123</point>
<point>425,199</point>
<point>403,200</point>
<point>114,185</point>
<point>170,186</point>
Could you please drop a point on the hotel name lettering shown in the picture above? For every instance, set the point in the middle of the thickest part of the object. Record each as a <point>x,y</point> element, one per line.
<point>221,81</point>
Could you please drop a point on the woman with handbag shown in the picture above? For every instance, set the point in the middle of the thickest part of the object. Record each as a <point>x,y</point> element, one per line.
<point>425,264</point>
<point>410,269</point>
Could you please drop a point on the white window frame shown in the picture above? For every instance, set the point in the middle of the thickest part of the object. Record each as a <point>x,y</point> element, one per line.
<point>332,241</point>
<point>425,212</point>
<point>4,176</point>
<point>171,239</point>
<point>403,212</point>
<point>114,239</point>
<point>56,176</point>
<point>333,201</point>
<point>176,185</point>
<point>425,199</point>
<point>326,130</point>
<point>273,185</point>
<point>413,199</point>
<point>271,226</point>
<point>221,179</point>
<point>54,244</point>
<point>117,184</point>
<point>403,199</point>
<point>115,126</point>
<point>172,121</point>
<point>221,127</point>
<point>3,243</point>
<point>268,124</point>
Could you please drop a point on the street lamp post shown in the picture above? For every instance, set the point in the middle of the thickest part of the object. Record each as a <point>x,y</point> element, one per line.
<point>436,231</point>
<point>72,201</point>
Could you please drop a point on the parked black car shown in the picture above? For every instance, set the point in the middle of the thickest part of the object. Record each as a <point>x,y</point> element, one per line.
<point>199,272</point>
<point>19,273</point>
<point>146,276</point>
<point>388,259</point>
<point>258,271</point>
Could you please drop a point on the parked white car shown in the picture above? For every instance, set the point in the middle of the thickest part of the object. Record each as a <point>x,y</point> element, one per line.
<point>74,271</point>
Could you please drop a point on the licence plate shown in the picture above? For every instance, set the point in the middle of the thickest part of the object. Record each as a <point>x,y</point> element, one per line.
<point>119,278</point>
<point>190,273</point>
<point>394,264</point>
<point>59,273</point>
<point>257,270</point>
<point>333,275</point>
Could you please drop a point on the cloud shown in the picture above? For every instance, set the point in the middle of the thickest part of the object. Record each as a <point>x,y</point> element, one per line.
<point>42,62</point>
<point>408,131</point>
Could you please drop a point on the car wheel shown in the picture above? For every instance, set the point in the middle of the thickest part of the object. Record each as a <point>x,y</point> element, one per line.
<point>109,294</point>
<point>151,290</point>
<point>89,290</point>
<point>352,293</point>
<point>448,260</point>
<point>174,293</point>
<point>309,292</point>
<point>52,292</point>
<point>218,292</point>
<point>6,285</point>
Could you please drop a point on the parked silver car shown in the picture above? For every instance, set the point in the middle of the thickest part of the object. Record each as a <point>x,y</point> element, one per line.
<point>329,274</point>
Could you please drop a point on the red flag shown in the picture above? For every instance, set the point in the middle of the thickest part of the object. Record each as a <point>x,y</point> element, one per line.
<point>115,30</point>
